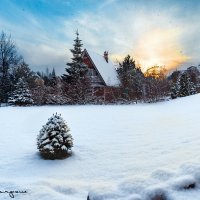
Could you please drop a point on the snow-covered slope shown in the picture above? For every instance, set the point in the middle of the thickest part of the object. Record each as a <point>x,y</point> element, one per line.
<point>120,152</point>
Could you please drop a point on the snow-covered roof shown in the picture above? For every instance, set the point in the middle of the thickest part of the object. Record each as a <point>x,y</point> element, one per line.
<point>106,69</point>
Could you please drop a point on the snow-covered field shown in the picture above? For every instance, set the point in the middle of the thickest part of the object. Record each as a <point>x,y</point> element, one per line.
<point>120,152</point>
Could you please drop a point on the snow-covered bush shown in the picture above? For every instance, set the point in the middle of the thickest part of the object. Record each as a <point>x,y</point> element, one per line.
<point>54,140</point>
<point>21,95</point>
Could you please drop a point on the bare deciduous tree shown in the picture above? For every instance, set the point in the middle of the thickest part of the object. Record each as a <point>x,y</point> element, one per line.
<point>9,58</point>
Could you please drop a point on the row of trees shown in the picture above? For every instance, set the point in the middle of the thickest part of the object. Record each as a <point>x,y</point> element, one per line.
<point>136,85</point>
<point>19,85</point>
<point>185,83</point>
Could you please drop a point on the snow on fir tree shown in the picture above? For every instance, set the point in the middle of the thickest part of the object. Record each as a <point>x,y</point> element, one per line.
<point>54,140</point>
<point>21,95</point>
<point>186,86</point>
<point>76,69</point>
<point>175,90</point>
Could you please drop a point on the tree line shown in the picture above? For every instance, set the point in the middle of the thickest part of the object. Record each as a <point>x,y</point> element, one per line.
<point>19,85</point>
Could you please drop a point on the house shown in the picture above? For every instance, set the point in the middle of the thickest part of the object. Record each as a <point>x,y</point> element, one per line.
<point>102,73</point>
<point>101,69</point>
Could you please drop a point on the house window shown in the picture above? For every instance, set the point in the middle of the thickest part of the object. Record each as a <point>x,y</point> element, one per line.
<point>92,72</point>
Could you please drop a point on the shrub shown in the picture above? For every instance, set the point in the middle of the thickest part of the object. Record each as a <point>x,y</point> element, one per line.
<point>54,140</point>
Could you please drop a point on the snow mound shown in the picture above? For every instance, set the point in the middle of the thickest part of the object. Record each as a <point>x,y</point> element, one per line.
<point>184,182</point>
<point>163,175</point>
<point>103,196</point>
<point>157,193</point>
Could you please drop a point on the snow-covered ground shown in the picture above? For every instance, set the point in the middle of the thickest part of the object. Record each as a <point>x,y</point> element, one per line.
<point>120,152</point>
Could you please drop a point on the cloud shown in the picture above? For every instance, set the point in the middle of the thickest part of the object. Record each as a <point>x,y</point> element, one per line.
<point>147,30</point>
<point>41,56</point>
<point>152,36</point>
<point>39,47</point>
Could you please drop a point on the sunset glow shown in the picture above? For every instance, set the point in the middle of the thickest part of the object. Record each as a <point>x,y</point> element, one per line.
<point>159,47</point>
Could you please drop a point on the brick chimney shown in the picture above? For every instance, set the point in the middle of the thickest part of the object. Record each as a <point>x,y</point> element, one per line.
<point>106,55</point>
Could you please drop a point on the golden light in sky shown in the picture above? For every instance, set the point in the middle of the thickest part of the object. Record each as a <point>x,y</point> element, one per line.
<point>159,47</point>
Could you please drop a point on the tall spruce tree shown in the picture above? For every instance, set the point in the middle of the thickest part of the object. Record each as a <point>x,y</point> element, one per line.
<point>76,69</point>
<point>75,82</point>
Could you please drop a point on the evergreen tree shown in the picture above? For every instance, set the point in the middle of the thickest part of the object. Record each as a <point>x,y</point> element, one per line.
<point>75,82</point>
<point>54,140</point>
<point>53,78</point>
<point>23,71</point>
<point>21,95</point>
<point>194,74</point>
<point>76,69</point>
<point>174,92</point>
<point>125,70</point>
<point>131,78</point>
<point>53,74</point>
<point>49,78</point>
<point>174,76</point>
<point>186,86</point>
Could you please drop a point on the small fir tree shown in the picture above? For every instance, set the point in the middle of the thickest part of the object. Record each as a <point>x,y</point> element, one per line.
<point>21,95</point>
<point>54,140</point>
<point>76,69</point>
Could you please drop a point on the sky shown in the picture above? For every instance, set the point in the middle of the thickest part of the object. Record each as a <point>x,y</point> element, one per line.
<point>153,32</point>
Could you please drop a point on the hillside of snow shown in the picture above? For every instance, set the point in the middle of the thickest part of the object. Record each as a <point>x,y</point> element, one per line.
<point>125,152</point>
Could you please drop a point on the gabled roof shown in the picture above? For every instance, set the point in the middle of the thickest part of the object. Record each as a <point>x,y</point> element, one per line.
<point>106,69</point>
